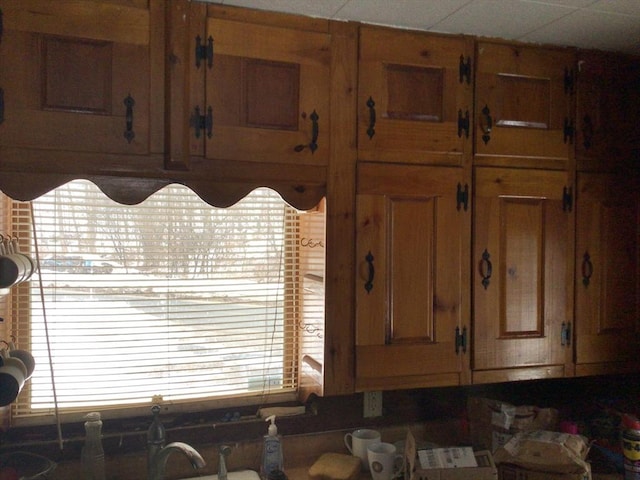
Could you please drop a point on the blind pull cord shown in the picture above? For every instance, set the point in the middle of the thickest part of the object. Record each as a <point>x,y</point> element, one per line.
<point>46,327</point>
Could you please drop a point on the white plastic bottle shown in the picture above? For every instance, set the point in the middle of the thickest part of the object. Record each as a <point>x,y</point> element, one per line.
<point>92,456</point>
<point>272,449</point>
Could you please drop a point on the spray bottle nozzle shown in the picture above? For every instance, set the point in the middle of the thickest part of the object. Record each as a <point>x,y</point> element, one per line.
<point>273,428</point>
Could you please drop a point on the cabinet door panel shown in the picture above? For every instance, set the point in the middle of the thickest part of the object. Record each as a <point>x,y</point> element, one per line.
<point>411,231</point>
<point>269,92</point>
<point>607,276</point>
<point>521,270</point>
<point>522,105</point>
<point>78,88</point>
<point>608,85</point>
<point>410,97</point>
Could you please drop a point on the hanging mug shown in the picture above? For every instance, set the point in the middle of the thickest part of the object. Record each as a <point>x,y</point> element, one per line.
<point>12,378</point>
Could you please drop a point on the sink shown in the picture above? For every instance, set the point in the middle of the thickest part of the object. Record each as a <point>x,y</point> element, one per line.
<point>237,475</point>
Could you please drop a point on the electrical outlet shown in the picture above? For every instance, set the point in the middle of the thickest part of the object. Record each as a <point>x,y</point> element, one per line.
<point>372,404</point>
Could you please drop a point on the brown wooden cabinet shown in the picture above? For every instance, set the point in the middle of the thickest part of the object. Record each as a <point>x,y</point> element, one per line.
<point>607,273</point>
<point>261,89</point>
<point>524,106</point>
<point>81,85</point>
<point>607,122</point>
<point>414,97</point>
<point>412,258</point>
<point>522,286</point>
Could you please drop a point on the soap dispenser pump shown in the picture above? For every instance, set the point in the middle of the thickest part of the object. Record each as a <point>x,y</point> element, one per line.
<point>272,459</point>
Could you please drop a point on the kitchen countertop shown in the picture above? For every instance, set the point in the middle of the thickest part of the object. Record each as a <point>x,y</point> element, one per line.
<point>301,473</point>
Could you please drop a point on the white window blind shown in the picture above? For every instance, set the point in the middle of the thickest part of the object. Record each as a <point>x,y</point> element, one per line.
<point>170,298</point>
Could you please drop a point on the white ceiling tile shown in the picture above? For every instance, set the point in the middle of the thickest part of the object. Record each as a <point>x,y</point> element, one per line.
<point>420,14</point>
<point>499,18</point>
<point>566,3</point>
<point>592,29</point>
<point>602,24</point>
<point>626,7</point>
<point>312,8</point>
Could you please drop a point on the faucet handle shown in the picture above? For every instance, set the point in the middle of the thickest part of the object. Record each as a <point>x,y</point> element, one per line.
<point>224,451</point>
<point>156,433</point>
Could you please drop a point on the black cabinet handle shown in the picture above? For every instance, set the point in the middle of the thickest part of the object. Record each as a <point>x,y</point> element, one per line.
<point>368,286</point>
<point>315,130</point>
<point>486,123</point>
<point>587,269</point>
<point>486,269</point>
<point>129,103</point>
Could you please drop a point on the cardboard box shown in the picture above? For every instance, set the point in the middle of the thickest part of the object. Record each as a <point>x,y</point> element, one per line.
<point>486,469</point>
<point>492,423</point>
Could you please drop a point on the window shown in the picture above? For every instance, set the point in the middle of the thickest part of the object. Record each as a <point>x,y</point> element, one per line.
<point>170,299</point>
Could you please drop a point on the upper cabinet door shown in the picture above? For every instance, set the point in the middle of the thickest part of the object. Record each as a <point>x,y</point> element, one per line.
<point>412,252</point>
<point>523,106</point>
<point>521,284</point>
<point>267,93</point>
<point>76,76</point>
<point>607,273</point>
<point>414,97</point>
<point>606,122</point>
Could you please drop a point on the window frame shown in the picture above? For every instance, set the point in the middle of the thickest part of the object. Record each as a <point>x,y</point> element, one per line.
<point>175,407</point>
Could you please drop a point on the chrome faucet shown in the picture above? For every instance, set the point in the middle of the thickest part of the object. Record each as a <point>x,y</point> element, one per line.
<point>158,453</point>
<point>158,463</point>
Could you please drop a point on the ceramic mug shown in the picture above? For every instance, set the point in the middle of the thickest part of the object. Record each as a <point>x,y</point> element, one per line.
<point>26,358</point>
<point>15,268</point>
<point>12,378</point>
<point>385,462</point>
<point>12,270</point>
<point>358,441</point>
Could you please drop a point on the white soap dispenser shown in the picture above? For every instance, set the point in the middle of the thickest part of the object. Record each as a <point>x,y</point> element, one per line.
<point>272,449</point>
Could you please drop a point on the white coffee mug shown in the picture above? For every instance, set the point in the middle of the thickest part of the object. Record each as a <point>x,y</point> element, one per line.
<point>12,377</point>
<point>358,441</point>
<point>15,268</point>
<point>26,358</point>
<point>385,462</point>
<point>12,271</point>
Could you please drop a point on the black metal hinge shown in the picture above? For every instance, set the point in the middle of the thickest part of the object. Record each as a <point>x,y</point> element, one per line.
<point>463,123</point>
<point>203,122</point>
<point>565,334</point>
<point>568,130</point>
<point>204,51</point>
<point>569,81</point>
<point>462,197</point>
<point>567,199</point>
<point>465,69</point>
<point>461,340</point>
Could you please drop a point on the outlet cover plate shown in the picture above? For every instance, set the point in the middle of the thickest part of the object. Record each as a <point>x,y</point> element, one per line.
<point>372,404</point>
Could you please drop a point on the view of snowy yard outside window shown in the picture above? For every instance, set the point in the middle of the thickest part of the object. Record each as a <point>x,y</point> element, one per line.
<point>171,298</point>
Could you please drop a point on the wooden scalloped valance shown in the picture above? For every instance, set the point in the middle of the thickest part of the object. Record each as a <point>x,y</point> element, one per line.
<point>218,183</point>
